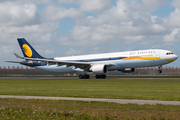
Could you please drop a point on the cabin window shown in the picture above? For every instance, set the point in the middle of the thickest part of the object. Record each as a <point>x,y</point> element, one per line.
<point>169,53</point>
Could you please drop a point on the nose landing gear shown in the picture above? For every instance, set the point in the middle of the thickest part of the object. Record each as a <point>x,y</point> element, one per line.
<point>159,71</point>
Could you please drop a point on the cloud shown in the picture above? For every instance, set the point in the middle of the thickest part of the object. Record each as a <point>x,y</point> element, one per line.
<point>69,1</point>
<point>22,20</point>
<point>33,29</point>
<point>117,24</point>
<point>55,13</point>
<point>127,25</point>
<point>145,5</point>
<point>176,3</point>
<point>27,1</point>
<point>12,14</point>
<point>173,36</point>
<point>174,18</point>
<point>89,5</point>
<point>41,1</point>
<point>95,5</point>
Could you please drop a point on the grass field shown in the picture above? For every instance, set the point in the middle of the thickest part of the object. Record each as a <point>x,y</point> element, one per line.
<point>115,89</point>
<point>79,110</point>
<point>124,89</point>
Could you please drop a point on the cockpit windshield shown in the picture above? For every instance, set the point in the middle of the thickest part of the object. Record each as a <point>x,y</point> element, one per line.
<point>169,53</point>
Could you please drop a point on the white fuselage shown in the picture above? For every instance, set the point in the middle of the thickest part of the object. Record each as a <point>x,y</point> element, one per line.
<point>121,60</point>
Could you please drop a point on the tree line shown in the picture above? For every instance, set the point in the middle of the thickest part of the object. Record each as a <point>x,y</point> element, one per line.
<point>139,71</point>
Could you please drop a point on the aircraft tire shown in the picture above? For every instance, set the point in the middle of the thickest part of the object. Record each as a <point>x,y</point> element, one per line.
<point>97,76</point>
<point>86,76</point>
<point>103,76</point>
<point>80,76</point>
<point>159,71</point>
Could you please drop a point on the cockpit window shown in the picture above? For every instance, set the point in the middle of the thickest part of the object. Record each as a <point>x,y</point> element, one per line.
<point>169,53</point>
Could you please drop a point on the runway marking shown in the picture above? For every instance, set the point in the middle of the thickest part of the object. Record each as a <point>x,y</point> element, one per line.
<point>121,101</point>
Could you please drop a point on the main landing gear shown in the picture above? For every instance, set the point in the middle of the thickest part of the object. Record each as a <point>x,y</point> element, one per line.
<point>101,76</point>
<point>85,76</point>
<point>159,71</point>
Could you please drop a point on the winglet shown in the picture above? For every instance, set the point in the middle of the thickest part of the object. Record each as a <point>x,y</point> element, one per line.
<point>18,56</point>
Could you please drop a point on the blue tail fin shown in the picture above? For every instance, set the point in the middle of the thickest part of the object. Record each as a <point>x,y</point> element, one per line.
<point>27,49</point>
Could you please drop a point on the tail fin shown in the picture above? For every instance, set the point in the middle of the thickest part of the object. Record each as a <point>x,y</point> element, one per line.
<point>27,49</point>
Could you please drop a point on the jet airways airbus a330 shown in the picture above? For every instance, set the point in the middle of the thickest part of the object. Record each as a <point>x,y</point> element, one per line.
<point>97,64</point>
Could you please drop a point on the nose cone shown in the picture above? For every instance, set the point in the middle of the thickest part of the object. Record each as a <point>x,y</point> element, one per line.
<point>174,57</point>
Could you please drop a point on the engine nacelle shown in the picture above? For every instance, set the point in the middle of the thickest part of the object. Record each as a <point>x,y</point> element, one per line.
<point>127,70</point>
<point>99,68</point>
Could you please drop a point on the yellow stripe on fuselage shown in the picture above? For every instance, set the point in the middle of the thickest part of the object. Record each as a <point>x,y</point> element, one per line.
<point>168,60</point>
<point>142,58</point>
<point>146,58</point>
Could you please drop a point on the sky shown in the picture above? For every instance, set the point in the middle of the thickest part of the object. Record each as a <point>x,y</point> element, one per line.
<point>57,28</point>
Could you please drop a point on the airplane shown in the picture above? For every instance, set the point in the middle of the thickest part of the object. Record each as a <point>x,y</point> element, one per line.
<point>98,64</point>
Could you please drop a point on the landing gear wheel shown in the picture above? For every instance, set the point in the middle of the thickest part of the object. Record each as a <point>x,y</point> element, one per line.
<point>85,76</point>
<point>80,76</point>
<point>97,76</point>
<point>102,76</point>
<point>159,71</point>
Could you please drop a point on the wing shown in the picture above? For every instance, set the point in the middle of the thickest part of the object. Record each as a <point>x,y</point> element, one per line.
<point>82,65</point>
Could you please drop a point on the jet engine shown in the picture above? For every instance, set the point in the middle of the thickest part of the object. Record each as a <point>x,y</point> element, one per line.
<point>127,70</point>
<point>99,68</point>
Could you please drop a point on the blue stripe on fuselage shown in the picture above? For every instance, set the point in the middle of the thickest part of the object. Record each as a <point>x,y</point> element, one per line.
<point>101,59</point>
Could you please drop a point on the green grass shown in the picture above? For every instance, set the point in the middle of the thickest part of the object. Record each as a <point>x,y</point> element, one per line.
<point>115,89</point>
<point>82,110</point>
<point>32,114</point>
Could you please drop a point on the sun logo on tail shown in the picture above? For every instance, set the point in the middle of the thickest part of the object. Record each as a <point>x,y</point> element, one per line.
<point>27,50</point>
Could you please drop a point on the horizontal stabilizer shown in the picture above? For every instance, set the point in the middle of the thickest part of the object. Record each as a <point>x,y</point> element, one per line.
<point>13,61</point>
<point>23,63</point>
<point>18,56</point>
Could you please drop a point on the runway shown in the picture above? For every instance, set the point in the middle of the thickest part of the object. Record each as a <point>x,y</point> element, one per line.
<point>76,78</point>
<point>121,101</point>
